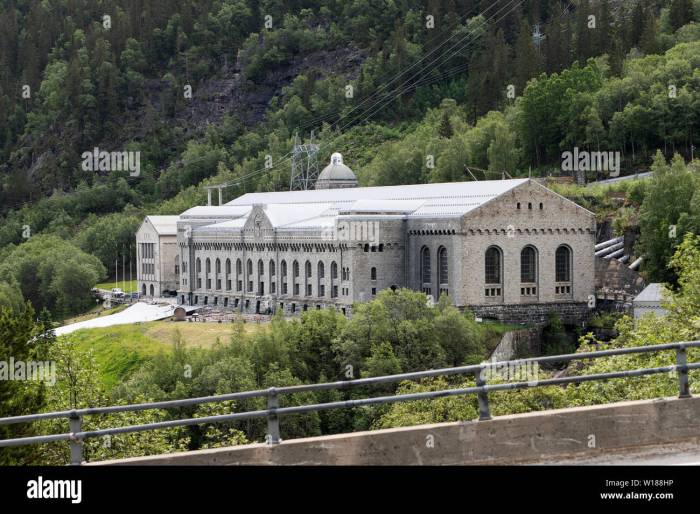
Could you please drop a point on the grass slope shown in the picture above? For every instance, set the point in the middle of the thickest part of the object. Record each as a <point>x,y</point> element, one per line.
<point>121,349</point>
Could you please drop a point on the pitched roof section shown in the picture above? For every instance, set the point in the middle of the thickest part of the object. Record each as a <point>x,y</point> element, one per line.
<point>458,197</point>
<point>164,225</point>
<point>317,209</point>
<point>654,292</point>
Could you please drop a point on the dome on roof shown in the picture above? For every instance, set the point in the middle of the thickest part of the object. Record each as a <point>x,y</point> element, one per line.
<point>336,175</point>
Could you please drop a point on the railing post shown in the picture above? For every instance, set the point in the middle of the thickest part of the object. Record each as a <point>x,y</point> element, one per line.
<point>75,424</point>
<point>273,422</point>
<point>681,365</point>
<point>483,398</point>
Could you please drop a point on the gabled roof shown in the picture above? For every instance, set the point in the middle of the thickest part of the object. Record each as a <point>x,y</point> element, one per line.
<point>320,208</point>
<point>164,225</point>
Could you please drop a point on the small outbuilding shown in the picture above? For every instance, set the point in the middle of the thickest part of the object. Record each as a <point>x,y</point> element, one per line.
<point>649,300</point>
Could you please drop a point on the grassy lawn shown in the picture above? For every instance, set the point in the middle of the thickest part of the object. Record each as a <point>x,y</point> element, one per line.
<point>121,349</point>
<point>128,286</point>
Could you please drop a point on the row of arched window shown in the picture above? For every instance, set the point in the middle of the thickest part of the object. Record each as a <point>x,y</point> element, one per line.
<point>258,279</point>
<point>426,270</point>
<point>493,270</point>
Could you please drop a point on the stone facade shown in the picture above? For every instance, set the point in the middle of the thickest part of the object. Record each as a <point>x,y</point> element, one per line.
<point>343,246</point>
<point>157,256</point>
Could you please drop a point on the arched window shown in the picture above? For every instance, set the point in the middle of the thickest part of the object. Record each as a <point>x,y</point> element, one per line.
<point>320,274</point>
<point>493,274</point>
<point>425,270</point>
<point>563,264</point>
<point>239,267</point>
<point>334,269</point>
<point>228,266</point>
<point>152,291</point>
<point>442,270</point>
<point>249,270</point>
<point>283,271</point>
<point>373,274</point>
<point>218,266</point>
<point>261,275</point>
<point>295,269</point>
<point>208,266</point>
<point>528,265</point>
<point>249,265</point>
<point>562,271</point>
<point>307,278</point>
<point>271,266</point>
<point>492,271</point>
<point>199,265</point>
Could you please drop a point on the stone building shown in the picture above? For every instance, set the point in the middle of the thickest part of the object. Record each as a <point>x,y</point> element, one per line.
<point>507,249</point>
<point>157,256</point>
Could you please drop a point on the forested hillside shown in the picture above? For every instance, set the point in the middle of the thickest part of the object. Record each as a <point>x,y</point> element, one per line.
<point>215,91</point>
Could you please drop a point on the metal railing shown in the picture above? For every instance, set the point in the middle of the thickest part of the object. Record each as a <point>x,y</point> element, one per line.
<point>274,411</point>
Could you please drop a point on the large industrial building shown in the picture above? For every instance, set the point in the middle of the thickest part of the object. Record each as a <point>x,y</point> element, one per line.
<point>506,249</point>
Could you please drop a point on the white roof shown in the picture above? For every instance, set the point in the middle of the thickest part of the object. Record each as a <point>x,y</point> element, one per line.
<point>459,193</point>
<point>164,225</point>
<point>651,293</point>
<point>216,211</point>
<point>385,206</point>
<point>314,209</point>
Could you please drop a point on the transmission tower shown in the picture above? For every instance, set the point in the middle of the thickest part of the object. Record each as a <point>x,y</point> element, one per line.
<point>304,165</point>
<point>537,36</point>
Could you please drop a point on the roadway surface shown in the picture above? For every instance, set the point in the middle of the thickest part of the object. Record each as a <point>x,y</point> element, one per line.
<point>680,454</point>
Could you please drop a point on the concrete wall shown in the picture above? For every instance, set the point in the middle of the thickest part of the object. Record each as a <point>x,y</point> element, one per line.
<point>517,343</point>
<point>520,438</point>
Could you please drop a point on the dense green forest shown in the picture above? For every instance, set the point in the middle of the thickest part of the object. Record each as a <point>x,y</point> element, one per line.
<point>410,92</point>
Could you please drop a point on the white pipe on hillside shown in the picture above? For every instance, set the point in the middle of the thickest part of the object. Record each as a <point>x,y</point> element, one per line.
<point>636,263</point>
<point>615,254</point>
<point>609,242</point>
<point>609,249</point>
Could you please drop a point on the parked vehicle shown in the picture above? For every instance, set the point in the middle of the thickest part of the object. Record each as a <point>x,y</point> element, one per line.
<point>117,292</point>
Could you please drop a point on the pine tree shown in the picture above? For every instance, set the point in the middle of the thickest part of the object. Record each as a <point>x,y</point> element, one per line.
<point>445,125</point>
<point>681,13</point>
<point>647,43</point>
<point>527,59</point>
